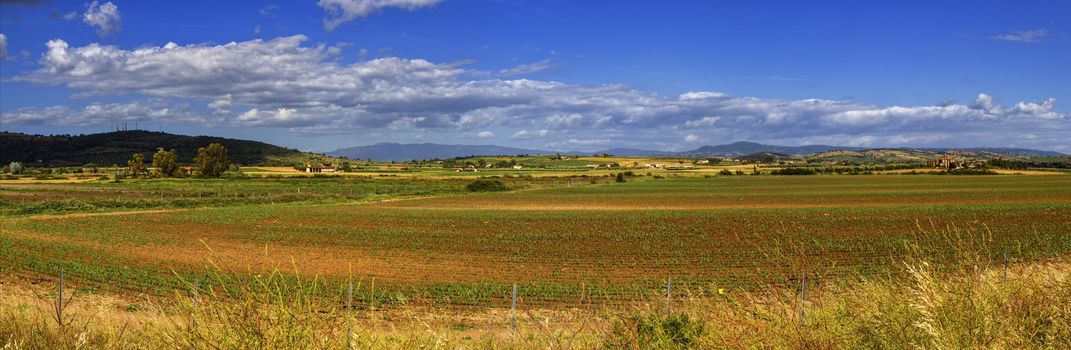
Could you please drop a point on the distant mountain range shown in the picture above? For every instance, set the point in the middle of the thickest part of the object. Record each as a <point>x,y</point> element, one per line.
<point>117,147</point>
<point>388,151</point>
<point>404,152</point>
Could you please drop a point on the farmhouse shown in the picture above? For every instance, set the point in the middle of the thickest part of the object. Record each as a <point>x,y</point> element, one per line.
<point>319,168</point>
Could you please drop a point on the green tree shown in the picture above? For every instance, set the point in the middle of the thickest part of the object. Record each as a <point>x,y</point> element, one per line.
<point>166,163</point>
<point>211,161</point>
<point>486,185</point>
<point>136,164</point>
<point>15,167</point>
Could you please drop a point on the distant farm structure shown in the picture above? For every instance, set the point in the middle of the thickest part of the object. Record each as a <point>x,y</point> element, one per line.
<point>320,168</point>
<point>951,163</point>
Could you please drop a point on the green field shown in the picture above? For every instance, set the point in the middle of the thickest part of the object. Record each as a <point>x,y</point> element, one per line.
<point>611,242</point>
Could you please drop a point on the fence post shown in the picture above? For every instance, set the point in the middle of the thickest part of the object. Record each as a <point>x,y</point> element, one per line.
<point>349,318</point>
<point>803,297</point>
<point>59,300</point>
<point>669,295</point>
<point>196,302</point>
<point>513,308</point>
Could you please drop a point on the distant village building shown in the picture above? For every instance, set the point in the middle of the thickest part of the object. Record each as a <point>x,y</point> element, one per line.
<point>319,168</point>
<point>518,167</point>
<point>469,167</point>
<point>946,163</point>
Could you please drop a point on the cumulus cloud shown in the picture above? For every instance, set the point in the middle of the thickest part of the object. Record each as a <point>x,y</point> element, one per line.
<point>1028,36</point>
<point>343,11</point>
<point>485,134</point>
<point>525,134</point>
<point>526,69</point>
<point>279,117</point>
<point>283,83</point>
<point>3,46</point>
<point>105,17</point>
<point>97,114</point>
<point>277,71</point>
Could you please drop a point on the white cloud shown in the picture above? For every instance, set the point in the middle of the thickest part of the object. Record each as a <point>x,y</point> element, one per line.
<point>310,91</point>
<point>253,72</point>
<point>525,134</point>
<point>703,122</point>
<point>343,11</point>
<point>485,134</point>
<point>526,69</point>
<point>269,11</point>
<point>98,114</point>
<point>3,46</point>
<point>1028,36</point>
<point>691,138</point>
<point>701,95</point>
<point>278,117</point>
<point>406,123</point>
<point>105,17</point>
<point>70,16</point>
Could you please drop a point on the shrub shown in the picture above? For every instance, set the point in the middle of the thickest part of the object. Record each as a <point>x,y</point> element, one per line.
<point>725,172</point>
<point>971,172</point>
<point>654,331</point>
<point>15,168</point>
<point>794,171</point>
<point>486,185</point>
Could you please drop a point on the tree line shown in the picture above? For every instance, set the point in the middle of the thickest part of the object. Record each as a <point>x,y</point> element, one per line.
<point>211,161</point>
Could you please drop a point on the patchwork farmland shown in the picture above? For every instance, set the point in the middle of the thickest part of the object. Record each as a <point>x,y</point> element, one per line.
<point>555,258</point>
<point>607,242</point>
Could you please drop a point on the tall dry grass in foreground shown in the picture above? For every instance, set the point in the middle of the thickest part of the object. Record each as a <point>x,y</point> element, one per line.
<point>973,303</point>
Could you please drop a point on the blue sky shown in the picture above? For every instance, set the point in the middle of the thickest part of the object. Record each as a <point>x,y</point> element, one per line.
<point>561,75</point>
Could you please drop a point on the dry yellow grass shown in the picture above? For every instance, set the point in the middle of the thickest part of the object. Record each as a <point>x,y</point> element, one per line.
<point>974,305</point>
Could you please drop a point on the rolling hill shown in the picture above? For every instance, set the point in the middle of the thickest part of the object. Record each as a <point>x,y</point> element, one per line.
<point>742,148</point>
<point>117,147</point>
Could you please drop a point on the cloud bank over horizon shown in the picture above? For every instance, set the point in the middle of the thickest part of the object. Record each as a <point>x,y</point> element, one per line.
<point>309,90</point>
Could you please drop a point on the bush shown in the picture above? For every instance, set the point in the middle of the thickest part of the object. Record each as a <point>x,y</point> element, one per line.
<point>654,331</point>
<point>794,171</point>
<point>970,172</point>
<point>486,185</point>
<point>725,172</point>
<point>15,168</point>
